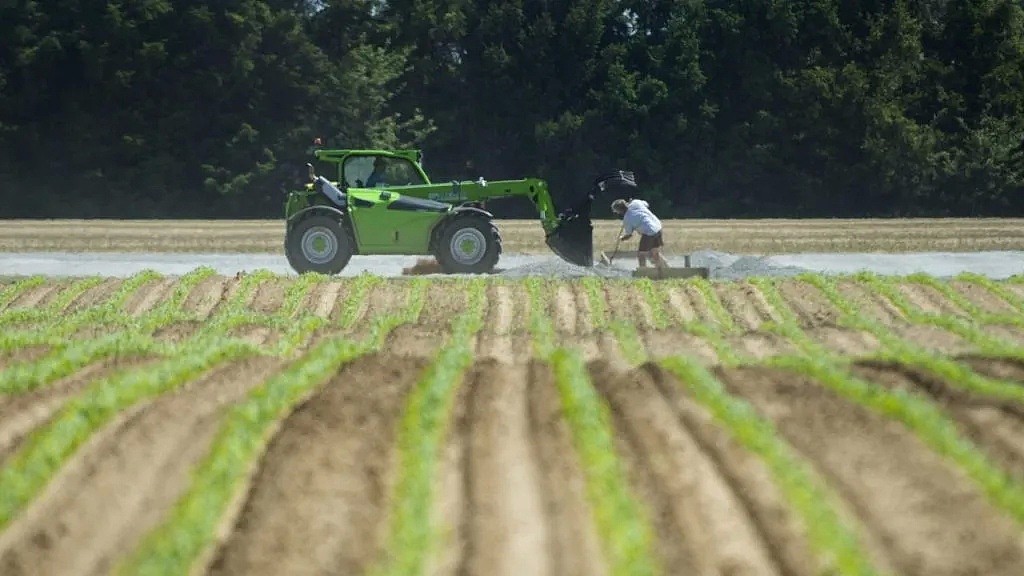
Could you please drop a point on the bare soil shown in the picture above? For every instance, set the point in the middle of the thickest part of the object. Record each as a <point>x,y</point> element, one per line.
<point>149,296</point>
<point>178,332</point>
<point>506,535</point>
<point>23,354</point>
<point>20,414</point>
<point>746,304</point>
<point>422,339</point>
<point>982,297</point>
<point>997,426</point>
<point>681,306</point>
<point>852,343</point>
<point>870,304</point>
<point>269,297</point>
<point>926,514</point>
<point>701,523</point>
<point>36,295</point>
<point>665,343</point>
<point>207,295</point>
<point>318,504</point>
<point>1000,368</point>
<point>96,295</point>
<point>323,298</point>
<point>929,300</point>
<point>87,518</point>
<point>809,304</point>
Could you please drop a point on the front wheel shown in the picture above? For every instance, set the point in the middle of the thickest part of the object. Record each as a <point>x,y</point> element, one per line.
<point>469,245</point>
<point>318,244</point>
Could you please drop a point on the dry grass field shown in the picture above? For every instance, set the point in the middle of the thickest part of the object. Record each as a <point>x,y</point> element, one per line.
<point>270,425</point>
<point>526,236</point>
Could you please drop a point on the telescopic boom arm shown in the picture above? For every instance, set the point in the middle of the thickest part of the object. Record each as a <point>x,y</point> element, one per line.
<point>568,233</point>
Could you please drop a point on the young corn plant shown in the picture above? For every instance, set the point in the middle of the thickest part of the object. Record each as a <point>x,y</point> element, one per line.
<point>969,331</point>
<point>58,331</point>
<point>423,427</point>
<point>11,292</point>
<point>190,529</point>
<point>625,333</point>
<point>835,543</point>
<point>919,414</point>
<point>964,303</point>
<point>896,349</point>
<point>998,288</point>
<point>622,526</point>
<point>134,340</point>
<point>35,463</point>
<point>831,539</point>
<point>52,309</point>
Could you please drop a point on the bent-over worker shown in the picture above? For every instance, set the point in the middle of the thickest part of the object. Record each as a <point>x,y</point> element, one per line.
<point>637,216</point>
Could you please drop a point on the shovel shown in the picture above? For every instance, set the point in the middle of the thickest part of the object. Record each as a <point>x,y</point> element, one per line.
<point>618,238</point>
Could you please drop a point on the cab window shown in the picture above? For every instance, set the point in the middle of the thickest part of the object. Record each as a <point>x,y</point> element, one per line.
<point>359,172</point>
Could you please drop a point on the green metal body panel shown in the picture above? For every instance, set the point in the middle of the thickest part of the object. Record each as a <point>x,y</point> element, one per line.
<point>382,231</point>
<point>403,212</point>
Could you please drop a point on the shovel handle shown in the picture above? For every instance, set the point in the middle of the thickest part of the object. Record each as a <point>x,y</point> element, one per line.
<point>618,238</point>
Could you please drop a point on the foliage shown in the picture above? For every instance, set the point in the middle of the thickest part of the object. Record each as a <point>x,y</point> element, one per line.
<point>793,107</point>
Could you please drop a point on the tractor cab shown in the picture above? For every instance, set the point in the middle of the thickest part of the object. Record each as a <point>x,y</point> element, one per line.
<point>376,168</point>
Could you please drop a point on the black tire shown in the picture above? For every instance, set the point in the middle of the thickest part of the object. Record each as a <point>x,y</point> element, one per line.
<point>468,245</point>
<point>318,243</point>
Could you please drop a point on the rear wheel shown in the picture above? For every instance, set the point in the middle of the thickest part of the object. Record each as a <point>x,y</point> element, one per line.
<point>469,245</point>
<point>318,244</point>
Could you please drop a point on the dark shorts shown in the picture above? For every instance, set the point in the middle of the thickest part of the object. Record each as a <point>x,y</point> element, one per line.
<point>648,242</point>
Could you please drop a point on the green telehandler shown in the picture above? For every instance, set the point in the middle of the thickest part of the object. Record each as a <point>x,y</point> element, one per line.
<point>382,202</point>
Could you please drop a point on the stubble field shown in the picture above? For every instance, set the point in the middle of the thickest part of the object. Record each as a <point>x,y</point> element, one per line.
<point>269,425</point>
<point>527,236</point>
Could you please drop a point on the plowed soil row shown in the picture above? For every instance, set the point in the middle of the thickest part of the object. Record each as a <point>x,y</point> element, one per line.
<point>124,479</point>
<point>920,513</point>
<point>995,425</point>
<point>510,496</point>
<point>511,490</point>
<point>318,502</point>
<point>22,413</point>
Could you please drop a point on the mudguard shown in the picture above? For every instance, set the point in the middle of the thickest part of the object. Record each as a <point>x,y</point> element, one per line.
<point>315,208</point>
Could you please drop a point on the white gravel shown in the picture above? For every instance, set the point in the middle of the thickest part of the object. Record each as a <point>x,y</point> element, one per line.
<point>997,265</point>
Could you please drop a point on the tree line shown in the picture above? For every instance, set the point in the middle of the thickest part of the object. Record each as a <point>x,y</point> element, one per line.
<point>722,108</point>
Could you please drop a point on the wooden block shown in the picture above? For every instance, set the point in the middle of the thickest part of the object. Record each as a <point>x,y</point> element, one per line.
<point>656,273</point>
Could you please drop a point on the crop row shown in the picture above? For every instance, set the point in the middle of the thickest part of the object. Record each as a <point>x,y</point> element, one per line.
<point>190,529</point>
<point>918,413</point>
<point>188,533</point>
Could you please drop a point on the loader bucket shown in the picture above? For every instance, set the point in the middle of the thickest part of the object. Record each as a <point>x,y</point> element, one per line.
<point>573,240</point>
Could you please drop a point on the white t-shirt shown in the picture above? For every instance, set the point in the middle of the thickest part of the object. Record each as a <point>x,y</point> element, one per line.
<point>640,218</point>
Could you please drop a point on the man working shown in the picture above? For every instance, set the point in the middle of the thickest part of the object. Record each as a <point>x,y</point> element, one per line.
<point>637,215</point>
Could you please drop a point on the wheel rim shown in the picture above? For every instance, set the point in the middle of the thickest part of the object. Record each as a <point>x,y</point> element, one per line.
<point>319,245</point>
<point>468,246</point>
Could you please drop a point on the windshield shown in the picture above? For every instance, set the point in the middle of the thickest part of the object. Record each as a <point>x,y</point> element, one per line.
<point>378,171</point>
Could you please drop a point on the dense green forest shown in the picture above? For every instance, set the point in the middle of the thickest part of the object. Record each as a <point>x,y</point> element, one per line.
<point>722,108</point>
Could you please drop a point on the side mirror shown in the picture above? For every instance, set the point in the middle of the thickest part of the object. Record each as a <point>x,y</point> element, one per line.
<point>312,172</point>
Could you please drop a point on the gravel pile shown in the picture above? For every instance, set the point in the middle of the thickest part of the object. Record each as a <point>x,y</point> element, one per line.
<point>731,267</point>
<point>722,265</point>
<point>557,268</point>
